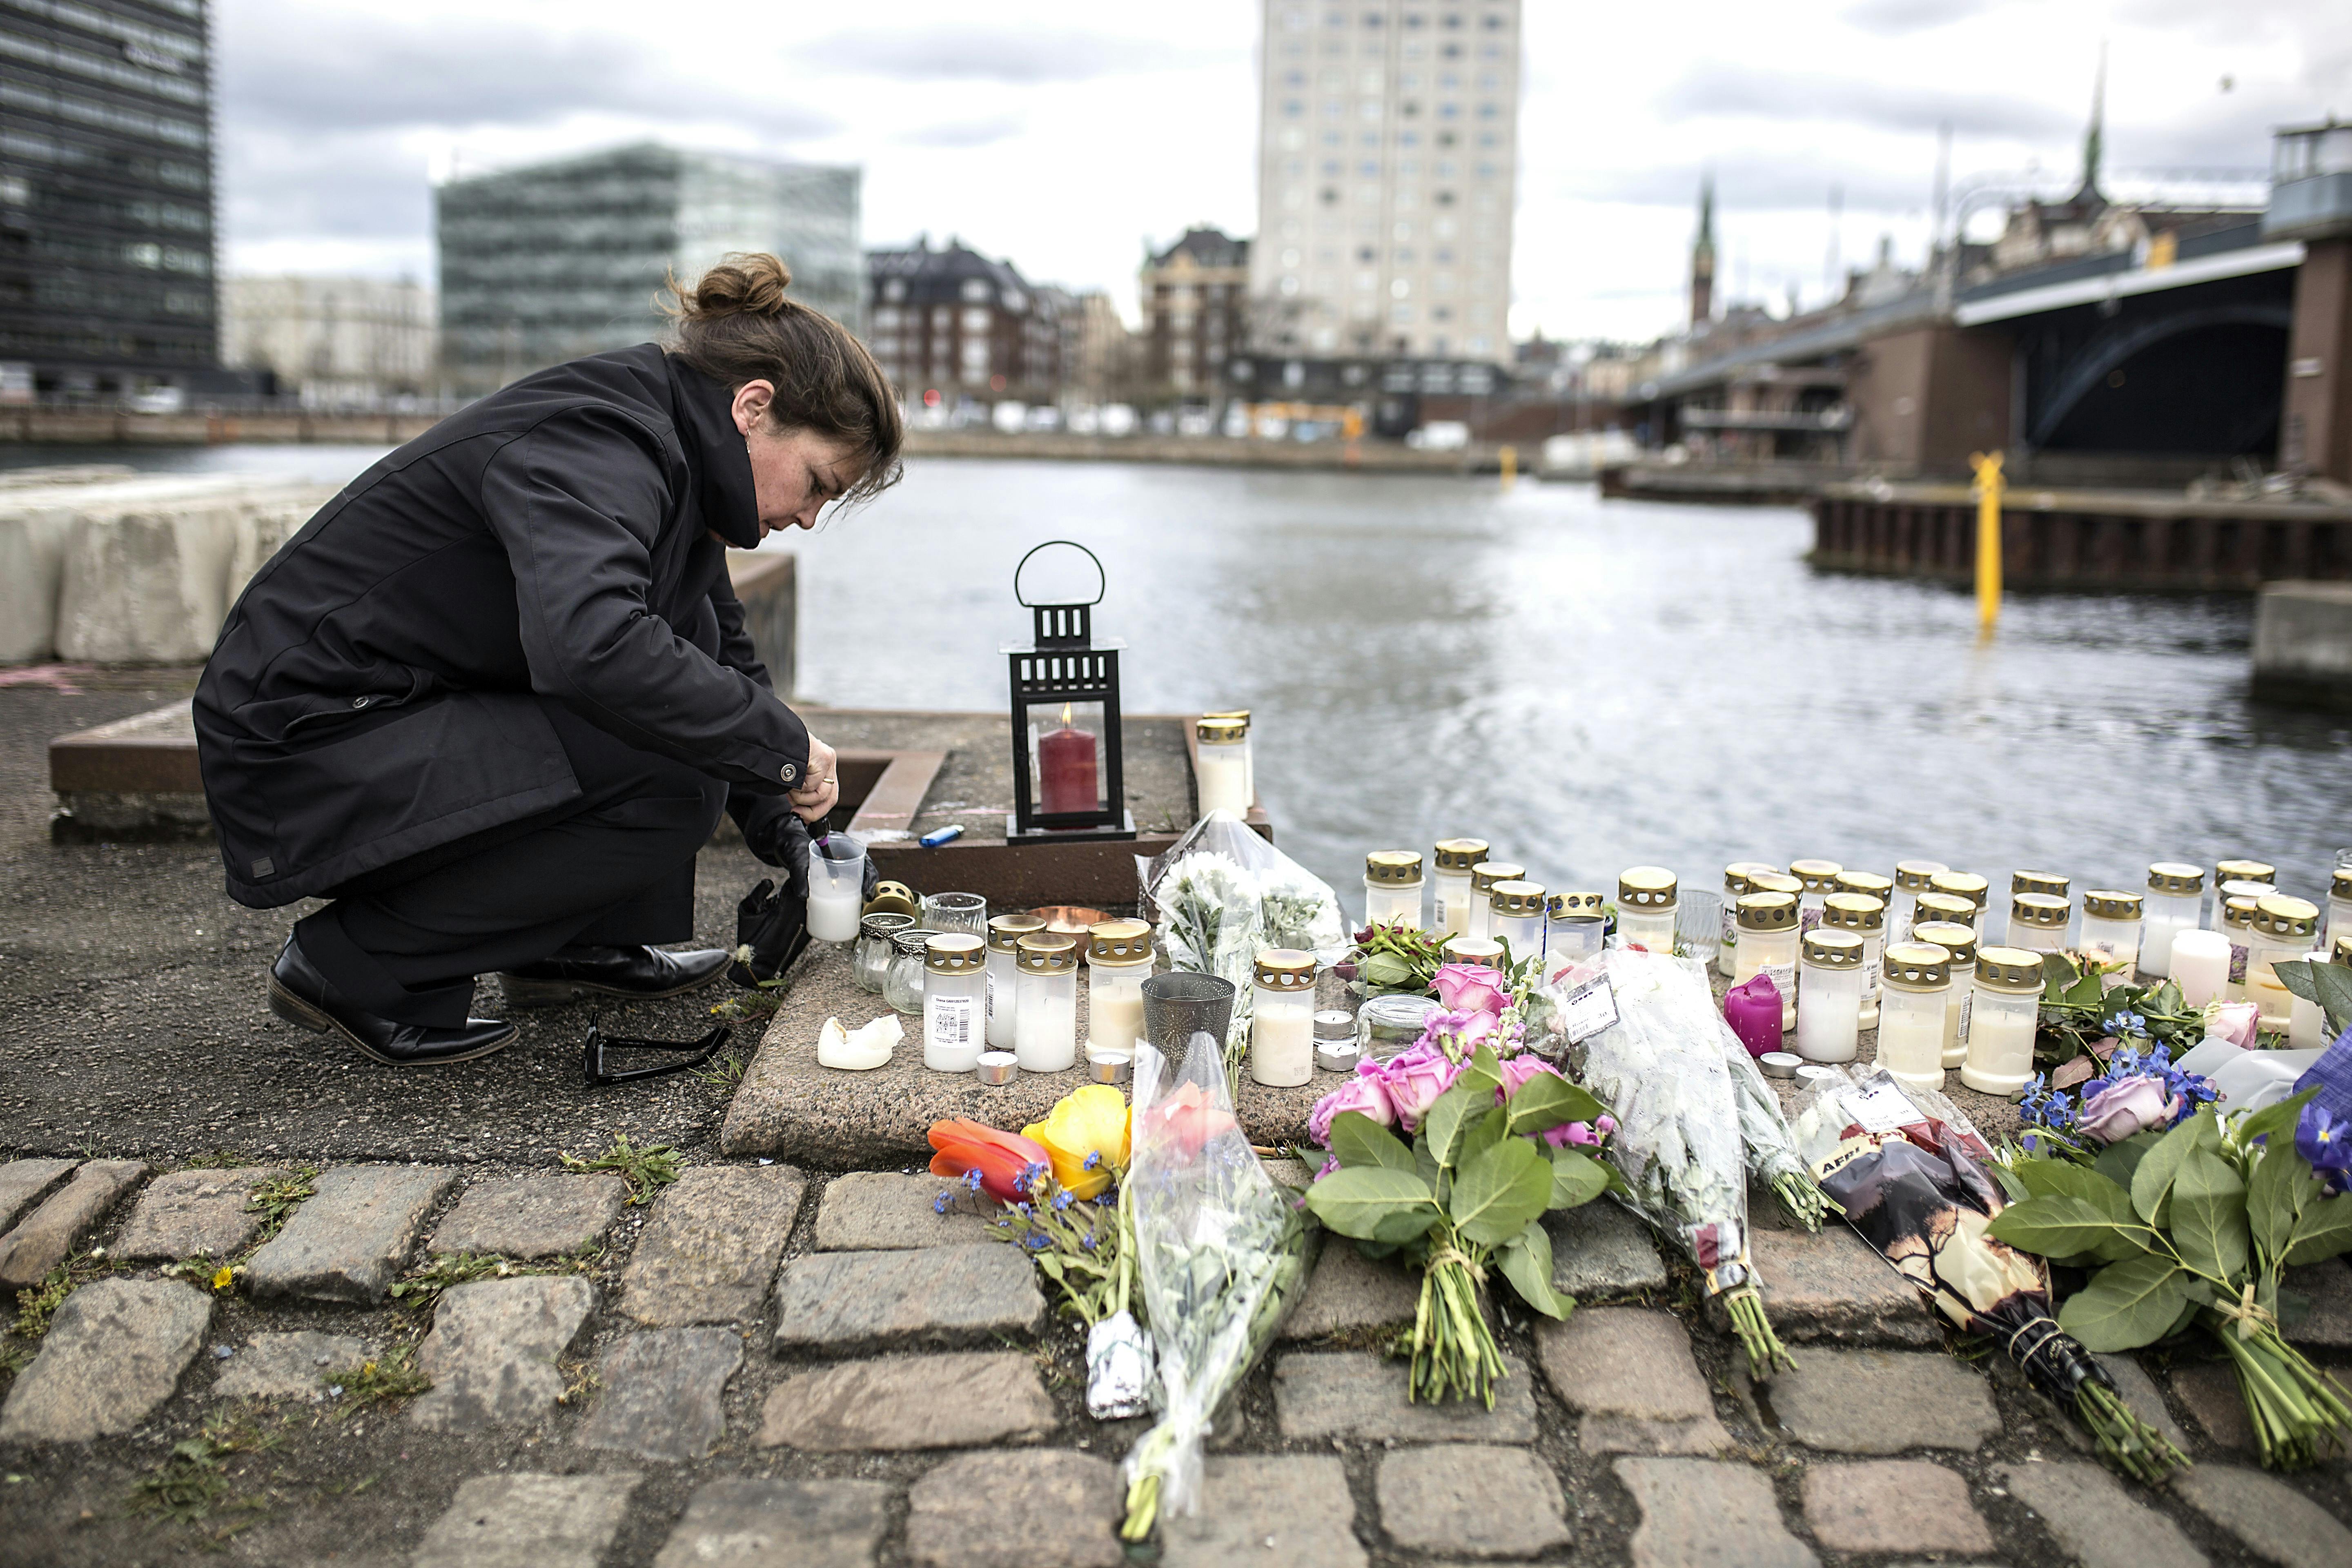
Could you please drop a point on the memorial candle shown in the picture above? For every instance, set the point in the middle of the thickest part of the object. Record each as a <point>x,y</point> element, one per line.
<point>1066,768</point>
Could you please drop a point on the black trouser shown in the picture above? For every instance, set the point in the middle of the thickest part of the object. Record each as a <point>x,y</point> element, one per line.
<point>614,868</point>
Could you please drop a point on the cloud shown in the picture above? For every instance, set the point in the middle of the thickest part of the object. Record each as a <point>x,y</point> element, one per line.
<point>1900,19</point>
<point>958,134</point>
<point>1753,181</point>
<point>1029,55</point>
<point>1712,90</point>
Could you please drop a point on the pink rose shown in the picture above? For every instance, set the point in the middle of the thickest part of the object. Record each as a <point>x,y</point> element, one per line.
<point>2125,1107</point>
<point>1472,988</point>
<point>1413,1079</point>
<point>1578,1133</point>
<point>1363,1095</point>
<point>1517,1071</point>
<point>2235,1022</point>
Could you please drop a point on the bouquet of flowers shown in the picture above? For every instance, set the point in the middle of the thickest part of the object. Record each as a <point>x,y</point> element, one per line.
<point>1764,1133</point>
<point>2139,1094</point>
<point>1661,1071</point>
<point>1902,1166</point>
<point>2191,1229</point>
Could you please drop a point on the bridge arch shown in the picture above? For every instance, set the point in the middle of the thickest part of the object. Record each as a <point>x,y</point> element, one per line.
<point>2211,381</point>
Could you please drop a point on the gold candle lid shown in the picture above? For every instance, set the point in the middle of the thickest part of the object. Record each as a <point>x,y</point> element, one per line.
<point>2341,951</point>
<point>1854,912</point>
<point>893,899</point>
<point>1911,876</point>
<point>1517,899</point>
<point>1916,967</point>
<point>2049,882</point>
<point>2009,969</point>
<point>2340,884</point>
<point>1774,882</point>
<point>2040,910</point>
<point>1049,953</point>
<point>956,952</point>
<point>2175,878</point>
<point>1960,940</point>
<point>1005,932</point>
<point>2284,915</point>
<point>1115,942</point>
<point>1216,730</point>
<point>1461,854</point>
<point>1286,968</point>
<point>2244,871</point>
<point>2111,904</point>
<point>1818,876</point>
<point>1486,873</point>
<point>1242,714</point>
<point>1575,906</point>
<point>1826,949</point>
<point>1484,950</point>
<point>1736,875</point>
<point>1962,884</point>
<point>1774,912</point>
<point>1395,867</point>
<point>1870,883</point>
<point>2238,914</point>
<point>1949,907</point>
<point>1647,888</point>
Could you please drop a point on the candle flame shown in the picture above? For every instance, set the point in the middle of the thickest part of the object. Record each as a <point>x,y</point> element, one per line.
<point>1065,715</point>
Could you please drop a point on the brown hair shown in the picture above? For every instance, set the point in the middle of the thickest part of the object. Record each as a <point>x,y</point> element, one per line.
<point>734,325</point>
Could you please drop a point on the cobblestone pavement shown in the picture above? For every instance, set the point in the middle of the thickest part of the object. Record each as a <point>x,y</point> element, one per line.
<point>761,1365</point>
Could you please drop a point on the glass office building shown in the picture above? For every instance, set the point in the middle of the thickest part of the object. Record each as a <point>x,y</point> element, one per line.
<point>106,200</point>
<point>560,260</point>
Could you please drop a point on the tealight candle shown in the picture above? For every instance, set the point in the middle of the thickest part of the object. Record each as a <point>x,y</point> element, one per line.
<point>2198,963</point>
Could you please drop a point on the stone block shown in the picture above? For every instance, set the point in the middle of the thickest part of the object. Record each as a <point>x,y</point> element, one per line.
<point>1892,1505</point>
<point>528,1520</point>
<point>491,1354</point>
<point>114,1351</point>
<point>1832,1287</point>
<point>22,1181</point>
<point>1703,1513</point>
<point>349,1241</point>
<point>45,1237</point>
<point>1601,1251</point>
<point>2209,1392</point>
<point>2095,1519</point>
<point>741,1522</point>
<point>1348,1291</point>
<point>711,1247</point>
<point>1027,1508</point>
<point>663,1393</point>
<point>952,1401</point>
<point>2276,1522</point>
<point>837,1303</point>
<point>147,587</point>
<point>882,1210</point>
<point>286,1366</point>
<point>1629,1372</point>
<point>193,1214</point>
<point>1358,1395</point>
<point>1883,1402</point>
<point>544,1214</point>
<point>1480,1501</point>
<point>1291,1508</point>
<point>2325,1286</point>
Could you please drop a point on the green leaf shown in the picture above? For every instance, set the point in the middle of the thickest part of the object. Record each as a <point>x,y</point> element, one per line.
<point>1576,1179</point>
<point>1448,1122</point>
<point>1374,1204</point>
<point>2275,1119</point>
<point>2327,986</point>
<point>1485,1132</point>
<point>1547,1100</point>
<point>2209,1216</point>
<point>1497,1193</point>
<point>2322,1230</point>
<point>2011,1189</point>
<point>1481,1075</point>
<point>2127,1305</point>
<point>2152,1182</point>
<point>2117,1161</point>
<point>1525,1262</point>
<point>2058,972</point>
<point>1358,1139</point>
<point>2281,1189</point>
<point>2299,977</point>
<point>2045,1178</point>
<point>2055,1226</point>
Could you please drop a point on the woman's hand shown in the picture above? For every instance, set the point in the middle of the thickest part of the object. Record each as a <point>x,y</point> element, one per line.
<point>820,786</point>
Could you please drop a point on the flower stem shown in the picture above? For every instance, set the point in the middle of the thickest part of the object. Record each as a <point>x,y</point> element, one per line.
<point>1745,1309</point>
<point>2138,1450</point>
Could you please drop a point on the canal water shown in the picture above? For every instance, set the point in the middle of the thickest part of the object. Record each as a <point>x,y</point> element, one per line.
<point>1588,684</point>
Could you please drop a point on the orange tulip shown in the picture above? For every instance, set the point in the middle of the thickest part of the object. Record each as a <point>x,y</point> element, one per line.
<point>1002,1159</point>
<point>1189,1118</point>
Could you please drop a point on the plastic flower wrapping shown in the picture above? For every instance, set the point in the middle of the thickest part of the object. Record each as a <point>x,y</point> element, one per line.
<point>1220,892</point>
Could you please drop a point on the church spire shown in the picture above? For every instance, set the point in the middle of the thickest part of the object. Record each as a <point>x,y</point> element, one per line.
<point>2093,137</point>
<point>1702,280</point>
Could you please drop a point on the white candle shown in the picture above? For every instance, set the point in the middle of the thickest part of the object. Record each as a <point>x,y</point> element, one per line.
<point>1046,1032</point>
<point>1114,1018</point>
<point>861,1050</point>
<point>2200,965</point>
<point>1282,1038</point>
<point>1221,772</point>
<point>837,882</point>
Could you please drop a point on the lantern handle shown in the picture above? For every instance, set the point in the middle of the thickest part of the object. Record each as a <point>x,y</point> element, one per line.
<point>1102,580</point>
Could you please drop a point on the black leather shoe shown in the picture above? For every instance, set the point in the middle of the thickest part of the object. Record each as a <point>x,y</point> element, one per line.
<point>302,995</point>
<point>638,973</point>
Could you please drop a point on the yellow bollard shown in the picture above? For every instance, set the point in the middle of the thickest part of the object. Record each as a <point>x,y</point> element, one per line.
<point>1510,466</point>
<point>1990,487</point>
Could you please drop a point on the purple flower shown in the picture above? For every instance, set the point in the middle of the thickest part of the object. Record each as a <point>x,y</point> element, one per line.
<point>1364,1095</point>
<point>1413,1079</point>
<point>2326,1141</point>
<point>1330,1163</point>
<point>2126,1106</point>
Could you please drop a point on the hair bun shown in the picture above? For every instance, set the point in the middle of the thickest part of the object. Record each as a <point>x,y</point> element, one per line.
<point>742,284</point>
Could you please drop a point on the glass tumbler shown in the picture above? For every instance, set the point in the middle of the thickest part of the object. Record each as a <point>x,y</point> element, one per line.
<point>951,912</point>
<point>837,886</point>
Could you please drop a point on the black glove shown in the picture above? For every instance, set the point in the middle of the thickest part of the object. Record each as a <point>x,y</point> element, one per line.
<point>781,839</point>
<point>770,931</point>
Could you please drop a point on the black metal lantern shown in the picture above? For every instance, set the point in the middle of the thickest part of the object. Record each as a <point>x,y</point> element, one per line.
<point>1066,731</point>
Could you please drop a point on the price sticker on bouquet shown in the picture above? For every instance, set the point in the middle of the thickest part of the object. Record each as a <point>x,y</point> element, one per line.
<point>1884,1109</point>
<point>1587,1010</point>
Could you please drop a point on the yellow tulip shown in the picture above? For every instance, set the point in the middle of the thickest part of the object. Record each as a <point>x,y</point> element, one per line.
<point>1089,1121</point>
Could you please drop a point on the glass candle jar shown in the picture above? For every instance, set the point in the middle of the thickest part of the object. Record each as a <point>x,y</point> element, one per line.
<point>2111,920</point>
<point>955,995</point>
<point>2238,928</point>
<point>1392,889</point>
<point>1647,901</point>
<point>1453,860</point>
<point>1864,915</point>
<point>1914,991</point>
<point>2175,903</point>
<point>1910,881</point>
<point>1387,1025</point>
<point>1961,941</point>
<point>837,888</point>
<point>1736,887</point>
<point>1573,932</point>
<point>1118,960</point>
<point>1965,885</point>
<point>2264,876</point>
<point>1829,996</point>
<point>1516,915</point>
<point>2037,922</point>
<point>1816,879</point>
<point>1483,877</point>
<point>1004,934</point>
<point>1767,945</point>
<point>965,912</point>
<point>2340,903</point>
<point>1046,1022</point>
<point>2285,928</point>
<point>902,983</point>
<point>869,961</point>
<point>1220,766</point>
<point>1282,1018</point>
<point>2001,1019</point>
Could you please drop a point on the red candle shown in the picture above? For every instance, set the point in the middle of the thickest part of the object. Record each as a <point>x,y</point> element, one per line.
<point>1065,769</point>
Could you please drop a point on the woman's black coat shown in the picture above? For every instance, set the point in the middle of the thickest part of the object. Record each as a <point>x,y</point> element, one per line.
<point>377,691</point>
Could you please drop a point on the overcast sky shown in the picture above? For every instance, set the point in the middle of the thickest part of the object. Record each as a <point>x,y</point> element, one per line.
<point>1064,136</point>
